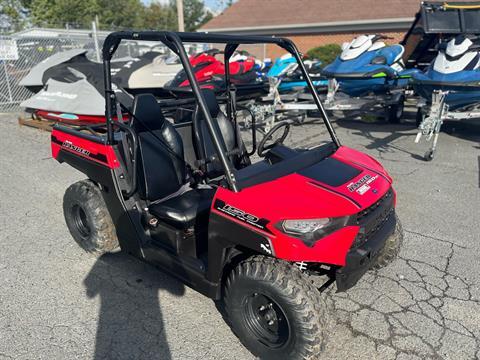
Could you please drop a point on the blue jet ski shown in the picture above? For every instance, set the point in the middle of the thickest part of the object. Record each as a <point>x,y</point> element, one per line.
<point>455,71</point>
<point>449,88</point>
<point>366,65</point>
<point>286,70</point>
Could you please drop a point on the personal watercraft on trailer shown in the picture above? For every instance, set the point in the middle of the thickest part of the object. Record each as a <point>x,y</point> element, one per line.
<point>287,99</point>
<point>210,72</point>
<point>69,87</point>
<point>285,71</point>
<point>449,88</point>
<point>443,42</point>
<point>366,74</point>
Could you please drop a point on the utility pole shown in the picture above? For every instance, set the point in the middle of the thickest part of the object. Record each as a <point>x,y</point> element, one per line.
<point>95,38</point>
<point>181,25</point>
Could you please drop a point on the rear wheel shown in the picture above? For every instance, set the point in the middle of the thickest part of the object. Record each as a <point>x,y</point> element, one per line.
<point>275,311</point>
<point>391,248</point>
<point>88,219</point>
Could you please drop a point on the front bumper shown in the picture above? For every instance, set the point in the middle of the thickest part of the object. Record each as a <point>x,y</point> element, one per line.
<point>361,258</point>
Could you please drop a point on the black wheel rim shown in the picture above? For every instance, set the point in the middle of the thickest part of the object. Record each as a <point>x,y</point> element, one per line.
<point>266,320</point>
<point>80,221</point>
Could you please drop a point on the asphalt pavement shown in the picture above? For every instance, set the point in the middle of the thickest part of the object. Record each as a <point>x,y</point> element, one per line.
<point>56,302</point>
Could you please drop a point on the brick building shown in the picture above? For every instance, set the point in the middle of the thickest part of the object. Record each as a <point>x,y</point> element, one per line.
<point>312,23</point>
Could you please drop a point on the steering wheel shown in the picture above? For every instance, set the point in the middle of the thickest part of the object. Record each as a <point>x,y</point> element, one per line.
<point>262,148</point>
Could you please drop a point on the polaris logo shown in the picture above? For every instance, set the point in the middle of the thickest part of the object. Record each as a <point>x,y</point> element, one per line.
<point>69,145</point>
<point>367,179</point>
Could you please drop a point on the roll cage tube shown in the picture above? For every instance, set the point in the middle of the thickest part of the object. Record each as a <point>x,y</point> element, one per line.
<point>175,42</point>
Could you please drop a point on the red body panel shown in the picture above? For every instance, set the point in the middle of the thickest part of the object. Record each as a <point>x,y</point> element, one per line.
<point>81,119</point>
<point>74,119</point>
<point>100,153</point>
<point>275,201</point>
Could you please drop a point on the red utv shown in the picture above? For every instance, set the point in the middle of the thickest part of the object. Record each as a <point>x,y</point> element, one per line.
<point>187,199</point>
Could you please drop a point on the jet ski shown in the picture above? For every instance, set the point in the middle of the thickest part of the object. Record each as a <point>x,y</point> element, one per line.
<point>366,74</point>
<point>449,87</point>
<point>69,87</point>
<point>285,70</point>
<point>456,71</point>
<point>210,73</point>
<point>368,65</point>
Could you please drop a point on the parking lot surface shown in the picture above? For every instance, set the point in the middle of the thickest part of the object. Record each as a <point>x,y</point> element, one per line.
<point>56,302</point>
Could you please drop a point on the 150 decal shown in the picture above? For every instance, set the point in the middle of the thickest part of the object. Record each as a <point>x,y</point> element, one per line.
<point>241,215</point>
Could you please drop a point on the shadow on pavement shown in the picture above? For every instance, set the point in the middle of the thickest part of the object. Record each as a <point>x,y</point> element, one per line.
<point>387,133</point>
<point>468,129</point>
<point>130,322</point>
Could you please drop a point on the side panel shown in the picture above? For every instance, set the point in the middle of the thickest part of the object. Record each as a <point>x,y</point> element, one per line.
<point>85,147</point>
<point>98,162</point>
<point>225,234</point>
<point>231,224</point>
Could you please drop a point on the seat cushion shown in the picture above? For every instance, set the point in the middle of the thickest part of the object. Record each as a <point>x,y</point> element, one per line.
<point>186,210</point>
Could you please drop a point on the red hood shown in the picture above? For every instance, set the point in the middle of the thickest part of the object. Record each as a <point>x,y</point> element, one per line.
<point>297,196</point>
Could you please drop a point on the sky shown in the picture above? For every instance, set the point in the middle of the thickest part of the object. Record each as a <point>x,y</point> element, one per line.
<point>215,5</point>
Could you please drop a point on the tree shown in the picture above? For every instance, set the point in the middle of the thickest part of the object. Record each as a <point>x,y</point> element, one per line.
<point>12,15</point>
<point>111,13</point>
<point>56,13</point>
<point>120,14</point>
<point>159,17</point>
<point>194,13</point>
<point>326,53</point>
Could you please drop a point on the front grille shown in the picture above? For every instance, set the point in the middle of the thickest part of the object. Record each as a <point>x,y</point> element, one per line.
<point>372,218</point>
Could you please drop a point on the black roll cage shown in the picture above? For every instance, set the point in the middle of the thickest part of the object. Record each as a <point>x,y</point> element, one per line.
<point>174,41</point>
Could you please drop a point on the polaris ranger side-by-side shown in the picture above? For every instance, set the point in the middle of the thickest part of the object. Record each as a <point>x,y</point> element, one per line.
<point>186,198</point>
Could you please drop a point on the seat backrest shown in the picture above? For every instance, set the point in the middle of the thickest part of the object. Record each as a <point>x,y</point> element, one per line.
<point>161,167</point>
<point>230,138</point>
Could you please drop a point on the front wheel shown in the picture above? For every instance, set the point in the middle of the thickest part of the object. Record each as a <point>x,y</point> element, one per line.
<point>275,311</point>
<point>88,219</point>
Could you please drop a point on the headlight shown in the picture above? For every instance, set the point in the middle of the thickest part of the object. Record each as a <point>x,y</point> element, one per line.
<point>311,230</point>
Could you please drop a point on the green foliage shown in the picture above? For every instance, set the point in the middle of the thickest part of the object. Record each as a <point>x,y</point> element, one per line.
<point>115,14</point>
<point>326,53</point>
<point>54,13</point>
<point>159,17</point>
<point>12,14</point>
<point>194,14</point>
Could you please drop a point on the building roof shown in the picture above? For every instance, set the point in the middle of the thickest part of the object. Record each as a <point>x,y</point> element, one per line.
<point>287,16</point>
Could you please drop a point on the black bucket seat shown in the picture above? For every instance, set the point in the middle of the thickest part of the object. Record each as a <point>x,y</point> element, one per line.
<point>229,137</point>
<point>162,171</point>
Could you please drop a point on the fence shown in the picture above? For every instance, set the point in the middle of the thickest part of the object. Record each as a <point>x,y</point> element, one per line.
<point>22,51</point>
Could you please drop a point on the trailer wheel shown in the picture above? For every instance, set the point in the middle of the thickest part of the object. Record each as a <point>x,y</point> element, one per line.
<point>392,247</point>
<point>394,112</point>
<point>275,311</point>
<point>429,155</point>
<point>88,219</point>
